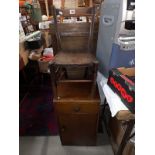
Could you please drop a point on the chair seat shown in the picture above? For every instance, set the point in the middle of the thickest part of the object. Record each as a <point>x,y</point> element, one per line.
<point>69,58</point>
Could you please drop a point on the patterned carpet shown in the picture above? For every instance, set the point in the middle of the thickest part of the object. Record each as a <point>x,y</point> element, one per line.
<point>36,112</point>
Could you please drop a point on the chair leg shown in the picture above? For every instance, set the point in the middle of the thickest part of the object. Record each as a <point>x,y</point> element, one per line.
<point>93,88</point>
<point>126,135</point>
<point>53,80</point>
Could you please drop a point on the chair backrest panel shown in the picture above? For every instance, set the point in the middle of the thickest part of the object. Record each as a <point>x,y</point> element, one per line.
<point>73,30</point>
<point>74,44</point>
<point>75,12</point>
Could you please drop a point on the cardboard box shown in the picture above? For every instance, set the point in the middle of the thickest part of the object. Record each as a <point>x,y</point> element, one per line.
<point>122,82</point>
<point>117,130</point>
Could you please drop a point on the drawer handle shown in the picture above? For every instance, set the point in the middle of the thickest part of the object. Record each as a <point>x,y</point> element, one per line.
<point>63,128</point>
<point>77,109</point>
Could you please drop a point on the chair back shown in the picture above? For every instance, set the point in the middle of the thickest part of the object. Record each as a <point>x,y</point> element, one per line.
<point>75,36</point>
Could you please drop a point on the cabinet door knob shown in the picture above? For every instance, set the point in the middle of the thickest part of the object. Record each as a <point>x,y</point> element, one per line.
<point>77,109</point>
<point>62,128</point>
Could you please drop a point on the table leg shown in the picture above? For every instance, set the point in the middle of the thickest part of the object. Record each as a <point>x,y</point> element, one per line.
<point>104,117</point>
<point>130,125</point>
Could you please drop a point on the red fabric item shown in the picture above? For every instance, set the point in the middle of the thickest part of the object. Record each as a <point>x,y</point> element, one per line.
<point>47,58</point>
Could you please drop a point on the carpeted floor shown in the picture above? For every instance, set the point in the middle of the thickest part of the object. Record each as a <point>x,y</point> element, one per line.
<point>36,112</point>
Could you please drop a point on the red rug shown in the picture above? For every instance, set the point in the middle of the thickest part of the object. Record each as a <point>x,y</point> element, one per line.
<point>36,113</point>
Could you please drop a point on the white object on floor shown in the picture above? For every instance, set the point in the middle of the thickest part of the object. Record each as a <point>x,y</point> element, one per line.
<point>113,100</point>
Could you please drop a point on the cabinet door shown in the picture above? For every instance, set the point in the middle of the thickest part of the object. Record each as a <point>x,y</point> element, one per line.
<point>78,129</point>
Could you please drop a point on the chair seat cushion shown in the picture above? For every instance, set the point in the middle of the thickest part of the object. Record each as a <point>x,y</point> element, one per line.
<point>69,58</point>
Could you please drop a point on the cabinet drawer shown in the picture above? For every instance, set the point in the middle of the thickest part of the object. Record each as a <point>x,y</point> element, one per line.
<point>75,107</point>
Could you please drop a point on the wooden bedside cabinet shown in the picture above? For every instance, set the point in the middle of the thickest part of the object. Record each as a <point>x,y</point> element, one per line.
<point>77,116</point>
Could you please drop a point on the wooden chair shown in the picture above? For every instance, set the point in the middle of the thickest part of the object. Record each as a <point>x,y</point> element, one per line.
<point>74,48</point>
